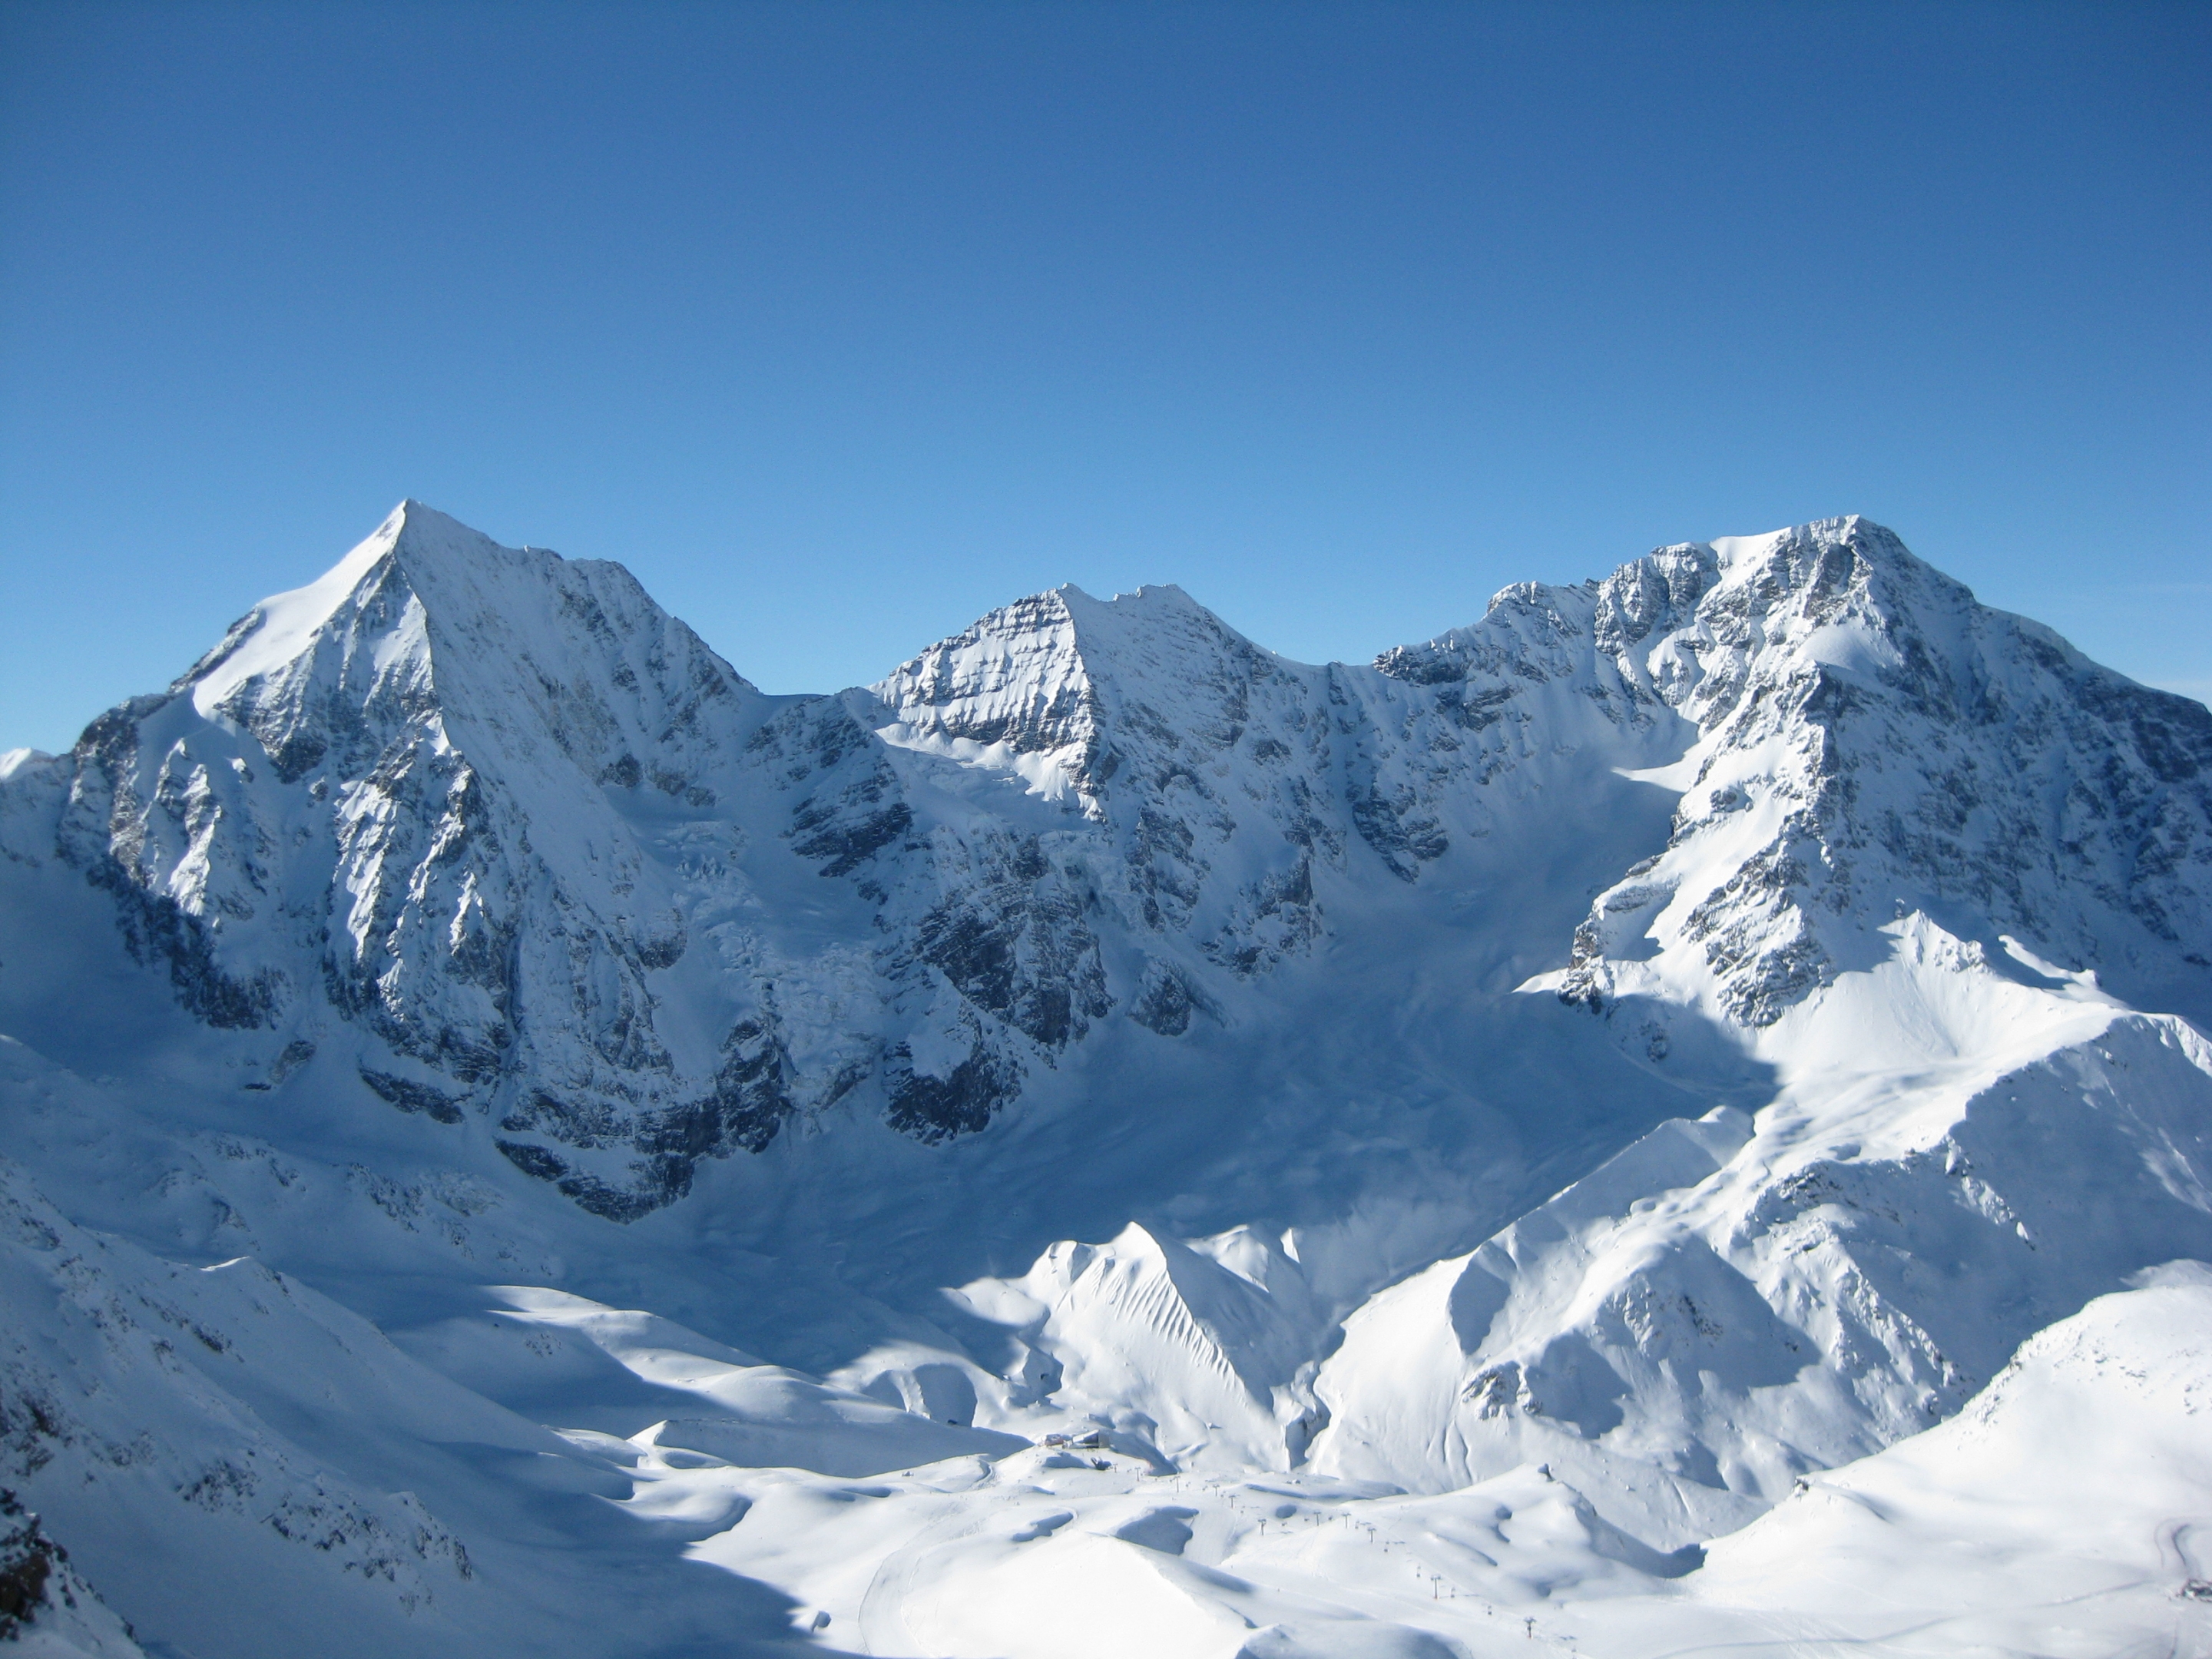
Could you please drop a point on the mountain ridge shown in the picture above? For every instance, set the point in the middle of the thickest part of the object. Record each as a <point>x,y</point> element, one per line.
<point>1234,777</point>
<point>1629,1037</point>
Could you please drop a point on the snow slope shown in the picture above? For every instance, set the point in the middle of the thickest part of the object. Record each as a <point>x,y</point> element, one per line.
<point>520,1142</point>
<point>1740,1301</point>
<point>2064,1510</point>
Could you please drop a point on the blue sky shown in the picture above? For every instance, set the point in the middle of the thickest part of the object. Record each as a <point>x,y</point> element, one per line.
<point>840,324</point>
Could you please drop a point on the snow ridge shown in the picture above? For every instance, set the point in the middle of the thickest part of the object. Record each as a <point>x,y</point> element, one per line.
<point>482,1075</point>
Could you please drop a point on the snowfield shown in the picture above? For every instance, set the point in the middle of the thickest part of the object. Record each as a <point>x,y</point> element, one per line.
<point>1675,1119</point>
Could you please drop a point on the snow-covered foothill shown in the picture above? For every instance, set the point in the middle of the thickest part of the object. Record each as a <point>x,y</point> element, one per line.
<point>1735,1302</point>
<point>2063,1510</point>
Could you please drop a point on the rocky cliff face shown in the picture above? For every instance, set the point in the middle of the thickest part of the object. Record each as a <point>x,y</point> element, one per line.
<point>439,806</point>
<point>493,832</point>
<point>1871,741</point>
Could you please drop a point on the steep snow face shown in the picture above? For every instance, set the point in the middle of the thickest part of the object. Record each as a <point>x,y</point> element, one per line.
<point>47,1608</point>
<point>1872,741</point>
<point>1174,813</point>
<point>148,1390</point>
<point>454,805</point>
<point>1014,693</point>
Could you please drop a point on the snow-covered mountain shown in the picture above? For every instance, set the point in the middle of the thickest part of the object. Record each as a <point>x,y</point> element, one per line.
<point>500,1108</point>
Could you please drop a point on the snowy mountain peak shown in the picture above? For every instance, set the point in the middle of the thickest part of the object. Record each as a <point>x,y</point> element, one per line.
<point>1870,736</point>
<point>498,818</point>
<point>1015,683</point>
<point>427,619</point>
<point>417,542</point>
<point>1122,1064</point>
<point>1056,675</point>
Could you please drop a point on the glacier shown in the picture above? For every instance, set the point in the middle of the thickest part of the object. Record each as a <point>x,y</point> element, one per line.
<point>1674,1117</point>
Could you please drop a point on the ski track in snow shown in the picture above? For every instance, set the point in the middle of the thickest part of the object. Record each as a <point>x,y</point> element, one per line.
<point>1673,1120</point>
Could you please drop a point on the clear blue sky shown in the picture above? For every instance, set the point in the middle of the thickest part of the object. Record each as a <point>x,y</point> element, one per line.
<point>840,324</point>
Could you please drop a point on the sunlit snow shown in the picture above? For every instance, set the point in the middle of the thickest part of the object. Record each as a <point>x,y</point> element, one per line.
<point>1675,1119</point>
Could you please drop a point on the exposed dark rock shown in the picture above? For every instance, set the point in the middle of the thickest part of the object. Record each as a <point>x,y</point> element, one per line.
<point>1394,826</point>
<point>933,1108</point>
<point>664,952</point>
<point>532,1159</point>
<point>848,830</point>
<point>28,1563</point>
<point>1163,1002</point>
<point>155,928</point>
<point>659,1182</point>
<point>411,1097</point>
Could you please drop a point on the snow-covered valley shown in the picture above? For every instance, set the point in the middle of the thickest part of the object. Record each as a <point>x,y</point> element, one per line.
<point>1675,1119</point>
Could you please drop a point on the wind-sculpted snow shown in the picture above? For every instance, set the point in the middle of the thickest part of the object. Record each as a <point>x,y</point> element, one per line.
<point>1738,1304</point>
<point>2062,1511</point>
<point>1201,1352</point>
<point>1107,1139</point>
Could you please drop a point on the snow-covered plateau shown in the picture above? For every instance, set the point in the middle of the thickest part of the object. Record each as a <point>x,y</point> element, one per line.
<point>1675,1119</point>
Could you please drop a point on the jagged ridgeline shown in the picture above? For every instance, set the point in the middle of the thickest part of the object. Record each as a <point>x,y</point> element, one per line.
<point>1227,1153</point>
<point>488,835</point>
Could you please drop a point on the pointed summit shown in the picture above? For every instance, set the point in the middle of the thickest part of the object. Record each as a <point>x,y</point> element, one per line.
<point>279,629</point>
<point>430,548</point>
<point>1066,676</point>
<point>428,613</point>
